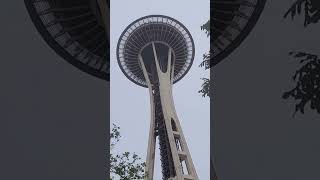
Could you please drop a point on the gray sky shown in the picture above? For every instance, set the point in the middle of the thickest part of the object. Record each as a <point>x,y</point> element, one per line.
<point>52,115</point>
<point>130,106</point>
<point>256,137</point>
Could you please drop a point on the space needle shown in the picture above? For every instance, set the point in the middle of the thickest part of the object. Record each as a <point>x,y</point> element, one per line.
<point>155,52</point>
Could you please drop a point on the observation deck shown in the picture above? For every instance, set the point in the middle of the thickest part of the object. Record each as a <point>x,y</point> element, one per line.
<point>161,30</point>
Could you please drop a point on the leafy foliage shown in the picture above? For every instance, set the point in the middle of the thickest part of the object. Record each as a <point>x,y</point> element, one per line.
<point>205,87</point>
<point>206,28</point>
<point>307,77</point>
<point>307,80</point>
<point>311,9</point>
<point>205,90</point>
<point>124,166</point>
<point>206,61</point>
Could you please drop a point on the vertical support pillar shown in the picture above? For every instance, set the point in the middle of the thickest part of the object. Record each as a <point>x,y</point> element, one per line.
<point>179,148</point>
<point>149,169</point>
<point>105,13</point>
<point>183,165</point>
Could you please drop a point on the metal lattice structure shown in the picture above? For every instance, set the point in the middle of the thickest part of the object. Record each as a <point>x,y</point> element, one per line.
<point>231,22</point>
<point>155,52</point>
<point>76,30</point>
<point>154,29</point>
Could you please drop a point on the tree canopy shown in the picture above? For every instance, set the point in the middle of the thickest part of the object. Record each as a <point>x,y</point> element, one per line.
<point>126,165</point>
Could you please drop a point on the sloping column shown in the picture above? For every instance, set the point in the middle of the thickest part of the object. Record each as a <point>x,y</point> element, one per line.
<point>178,144</point>
<point>183,165</point>
<point>105,13</point>
<point>149,169</point>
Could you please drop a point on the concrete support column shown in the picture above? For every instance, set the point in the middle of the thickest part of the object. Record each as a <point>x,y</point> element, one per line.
<point>183,164</point>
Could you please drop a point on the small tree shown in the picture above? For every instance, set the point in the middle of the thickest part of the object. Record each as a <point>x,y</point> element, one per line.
<point>307,77</point>
<point>124,166</point>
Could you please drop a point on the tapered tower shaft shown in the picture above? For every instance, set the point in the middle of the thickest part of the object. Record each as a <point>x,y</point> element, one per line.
<point>155,52</point>
<point>157,63</point>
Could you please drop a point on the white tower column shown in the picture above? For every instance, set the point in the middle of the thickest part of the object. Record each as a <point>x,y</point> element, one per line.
<point>182,166</point>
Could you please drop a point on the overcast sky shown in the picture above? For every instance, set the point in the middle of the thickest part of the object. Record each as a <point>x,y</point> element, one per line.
<point>52,115</point>
<point>130,106</point>
<point>256,136</point>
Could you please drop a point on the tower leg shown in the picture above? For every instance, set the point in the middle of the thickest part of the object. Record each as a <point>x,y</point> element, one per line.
<point>151,145</point>
<point>105,13</point>
<point>149,169</point>
<point>176,158</point>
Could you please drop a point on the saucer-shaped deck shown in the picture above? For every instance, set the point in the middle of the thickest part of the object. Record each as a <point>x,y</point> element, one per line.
<point>75,30</point>
<point>231,22</point>
<point>154,28</point>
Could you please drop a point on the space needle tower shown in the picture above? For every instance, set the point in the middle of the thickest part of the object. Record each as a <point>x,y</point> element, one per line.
<point>155,52</point>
